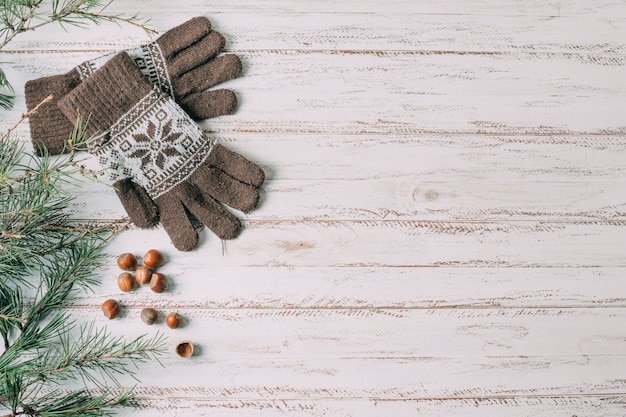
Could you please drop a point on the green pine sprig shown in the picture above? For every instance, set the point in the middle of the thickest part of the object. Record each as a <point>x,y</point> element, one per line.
<point>7,94</point>
<point>57,403</point>
<point>19,16</point>
<point>95,356</point>
<point>46,256</point>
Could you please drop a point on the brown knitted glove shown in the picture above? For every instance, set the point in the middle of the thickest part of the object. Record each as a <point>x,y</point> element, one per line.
<point>150,145</point>
<point>182,62</point>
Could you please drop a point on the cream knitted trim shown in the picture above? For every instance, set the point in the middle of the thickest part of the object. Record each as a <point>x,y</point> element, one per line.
<point>150,60</point>
<point>156,144</point>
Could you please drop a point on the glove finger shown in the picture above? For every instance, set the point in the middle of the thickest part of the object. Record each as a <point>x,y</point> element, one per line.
<point>216,71</point>
<point>211,213</point>
<point>196,54</point>
<point>208,104</point>
<point>180,37</point>
<point>176,223</point>
<point>225,188</point>
<point>139,206</point>
<point>236,166</point>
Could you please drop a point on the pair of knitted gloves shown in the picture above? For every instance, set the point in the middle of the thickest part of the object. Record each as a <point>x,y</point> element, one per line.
<point>140,105</point>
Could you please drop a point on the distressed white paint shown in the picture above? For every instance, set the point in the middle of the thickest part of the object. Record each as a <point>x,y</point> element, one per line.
<point>442,231</point>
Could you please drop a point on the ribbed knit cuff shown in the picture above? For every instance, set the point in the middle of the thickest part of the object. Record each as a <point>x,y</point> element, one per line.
<point>107,94</point>
<point>49,128</point>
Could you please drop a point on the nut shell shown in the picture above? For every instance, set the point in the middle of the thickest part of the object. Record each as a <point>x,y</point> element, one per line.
<point>158,282</point>
<point>111,309</point>
<point>149,315</point>
<point>143,275</point>
<point>184,349</point>
<point>127,261</point>
<point>174,320</point>
<point>125,281</point>
<point>153,258</point>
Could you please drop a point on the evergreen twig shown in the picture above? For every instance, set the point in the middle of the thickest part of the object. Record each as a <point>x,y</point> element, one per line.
<point>25,116</point>
<point>20,16</point>
<point>95,354</point>
<point>45,257</point>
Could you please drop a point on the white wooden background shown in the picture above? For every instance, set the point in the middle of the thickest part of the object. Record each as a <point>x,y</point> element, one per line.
<point>443,227</point>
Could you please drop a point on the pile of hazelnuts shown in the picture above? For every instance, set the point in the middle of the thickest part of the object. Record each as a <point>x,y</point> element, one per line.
<point>145,274</point>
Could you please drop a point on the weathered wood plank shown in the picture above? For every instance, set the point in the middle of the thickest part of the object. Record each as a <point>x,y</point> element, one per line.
<point>371,385</point>
<point>487,159</point>
<point>415,198</point>
<point>341,92</point>
<point>424,177</point>
<point>410,198</point>
<point>195,285</point>
<point>484,158</point>
<point>606,8</point>
<point>421,178</point>
<point>465,334</point>
<point>414,244</point>
<point>531,406</point>
<point>357,31</point>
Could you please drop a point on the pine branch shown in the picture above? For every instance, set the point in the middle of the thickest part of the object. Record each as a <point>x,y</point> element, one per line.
<point>7,94</point>
<point>95,356</point>
<point>78,403</point>
<point>12,318</point>
<point>11,311</point>
<point>20,16</point>
<point>74,12</point>
<point>34,206</point>
<point>43,248</point>
<point>24,116</point>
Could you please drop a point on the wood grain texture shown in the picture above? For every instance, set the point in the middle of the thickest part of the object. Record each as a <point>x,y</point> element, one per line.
<point>602,8</point>
<point>423,92</point>
<point>411,244</point>
<point>431,178</point>
<point>280,287</point>
<point>305,333</point>
<point>442,228</point>
<point>610,406</point>
<point>406,31</point>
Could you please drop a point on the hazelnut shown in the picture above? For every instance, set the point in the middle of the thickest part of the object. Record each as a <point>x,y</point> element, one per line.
<point>111,309</point>
<point>125,281</point>
<point>158,282</point>
<point>127,261</point>
<point>174,320</point>
<point>184,349</point>
<point>153,258</point>
<point>149,315</point>
<point>142,275</point>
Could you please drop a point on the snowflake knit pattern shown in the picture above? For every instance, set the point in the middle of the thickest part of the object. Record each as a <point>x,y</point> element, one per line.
<point>154,143</point>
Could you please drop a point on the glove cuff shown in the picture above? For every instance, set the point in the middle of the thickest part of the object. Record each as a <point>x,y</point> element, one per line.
<point>107,94</point>
<point>49,128</point>
<point>149,58</point>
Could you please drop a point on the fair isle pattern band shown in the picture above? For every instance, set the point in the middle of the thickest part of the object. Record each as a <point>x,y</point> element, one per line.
<point>89,67</point>
<point>150,60</point>
<point>156,144</point>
